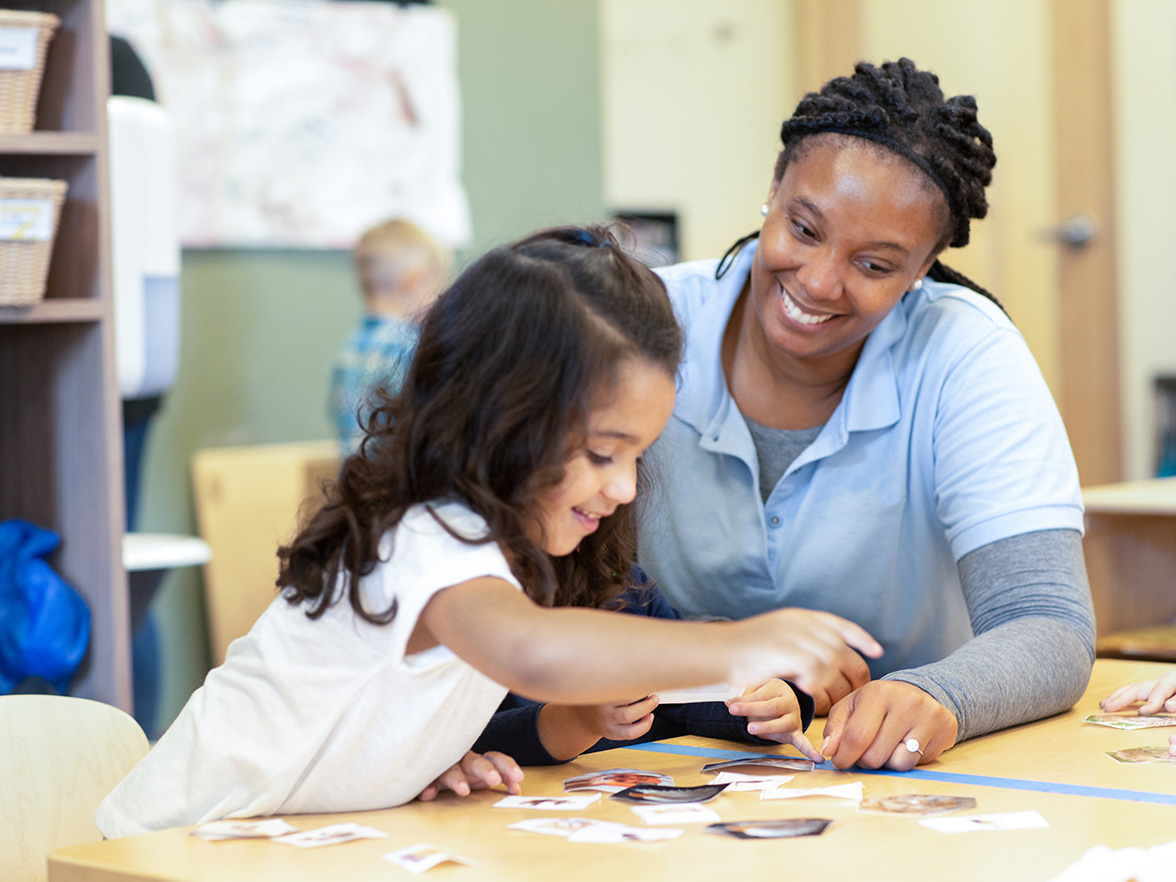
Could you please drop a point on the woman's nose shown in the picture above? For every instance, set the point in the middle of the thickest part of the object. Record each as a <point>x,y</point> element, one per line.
<point>820,277</point>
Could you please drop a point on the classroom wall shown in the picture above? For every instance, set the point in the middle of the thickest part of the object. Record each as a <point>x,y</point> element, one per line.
<point>1145,88</point>
<point>260,328</point>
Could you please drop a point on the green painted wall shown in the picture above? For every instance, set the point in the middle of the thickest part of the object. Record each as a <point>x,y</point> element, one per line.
<point>260,328</point>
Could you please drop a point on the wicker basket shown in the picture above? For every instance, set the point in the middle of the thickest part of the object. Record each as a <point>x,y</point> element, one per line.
<point>30,210</point>
<point>19,88</point>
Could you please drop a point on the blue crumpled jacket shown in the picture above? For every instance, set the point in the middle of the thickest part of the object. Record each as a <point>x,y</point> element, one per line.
<point>44,623</point>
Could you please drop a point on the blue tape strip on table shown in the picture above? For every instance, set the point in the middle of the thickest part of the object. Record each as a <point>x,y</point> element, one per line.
<point>945,777</point>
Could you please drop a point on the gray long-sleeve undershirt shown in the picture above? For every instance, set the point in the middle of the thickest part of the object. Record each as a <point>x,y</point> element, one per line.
<point>1029,600</point>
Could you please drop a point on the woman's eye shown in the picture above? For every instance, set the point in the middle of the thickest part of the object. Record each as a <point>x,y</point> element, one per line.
<point>876,269</point>
<point>802,229</point>
<point>599,458</point>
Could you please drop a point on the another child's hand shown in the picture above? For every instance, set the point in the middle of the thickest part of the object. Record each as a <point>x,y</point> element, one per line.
<point>477,771</point>
<point>1156,695</point>
<point>617,722</point>
<point>773,713</point>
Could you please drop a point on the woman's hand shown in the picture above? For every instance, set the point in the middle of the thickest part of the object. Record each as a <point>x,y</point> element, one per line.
<point>773,713</point>
<point>872,726</point>
<point>1156,695</point>
<point>476,771</point>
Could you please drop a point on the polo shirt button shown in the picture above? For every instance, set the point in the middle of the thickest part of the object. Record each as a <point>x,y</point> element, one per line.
<point>775,521</point>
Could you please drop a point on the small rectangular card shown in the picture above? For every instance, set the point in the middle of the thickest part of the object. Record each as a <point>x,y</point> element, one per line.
<point>418,858</point>
<point>677,813</point>
<point>623,833</point>
<point>577,802</point>
<point>1142,755</point>
<point>737,781</point>
<point>1122,721</point>
<point>1001,821</point>
<point>852,790</point>
<point>715,692</point>
<point>656,793</point>
<point>763,764</point>
<point>615,780</point>
<point>557,826</point>
<point>916,804</point>
<point>267,829</point>
<point>331,835</point>
<point>775,828</point>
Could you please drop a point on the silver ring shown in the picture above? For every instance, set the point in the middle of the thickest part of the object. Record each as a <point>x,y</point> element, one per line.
<point>912,744</point>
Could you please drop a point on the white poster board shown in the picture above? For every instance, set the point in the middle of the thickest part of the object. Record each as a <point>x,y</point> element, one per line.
<point>299,123</point>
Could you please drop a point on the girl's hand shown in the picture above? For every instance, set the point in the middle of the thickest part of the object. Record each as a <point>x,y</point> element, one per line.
<point>567,730</point>
<point>872,726</point>
<point>1156,695</point>
<point>773,713</point>
<point>813,649</point>
<point>476,771</point>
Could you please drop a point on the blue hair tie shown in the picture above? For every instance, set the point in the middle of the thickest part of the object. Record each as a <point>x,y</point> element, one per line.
<point>585,238</point>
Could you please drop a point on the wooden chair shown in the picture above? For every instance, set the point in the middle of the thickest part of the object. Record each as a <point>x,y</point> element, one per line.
<point>248,501</point>
<point>59,757</point>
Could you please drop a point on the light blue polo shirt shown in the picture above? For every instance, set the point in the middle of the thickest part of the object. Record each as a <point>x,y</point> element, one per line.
<point>946,439</point>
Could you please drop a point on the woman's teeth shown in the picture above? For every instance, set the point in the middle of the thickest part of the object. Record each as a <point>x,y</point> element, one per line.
<point>799,315</point>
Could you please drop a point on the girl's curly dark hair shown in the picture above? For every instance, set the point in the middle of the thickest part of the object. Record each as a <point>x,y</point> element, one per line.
<point>511,360</point>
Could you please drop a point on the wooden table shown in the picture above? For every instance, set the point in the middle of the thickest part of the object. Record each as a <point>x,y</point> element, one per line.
<point>1055,766</point>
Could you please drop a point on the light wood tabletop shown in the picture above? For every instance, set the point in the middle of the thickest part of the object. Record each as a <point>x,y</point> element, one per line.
<point>1056,767</point>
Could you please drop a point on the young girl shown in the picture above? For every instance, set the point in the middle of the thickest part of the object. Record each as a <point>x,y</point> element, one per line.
<point>455,557</point>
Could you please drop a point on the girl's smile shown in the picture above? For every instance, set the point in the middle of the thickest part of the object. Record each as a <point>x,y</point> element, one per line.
<point>602,475</point>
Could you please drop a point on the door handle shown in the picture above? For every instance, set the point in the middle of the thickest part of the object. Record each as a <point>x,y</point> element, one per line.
<point>1074,233</point>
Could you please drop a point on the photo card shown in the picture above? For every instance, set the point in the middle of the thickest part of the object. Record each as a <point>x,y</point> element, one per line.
<point>575,802</point>
<point>1142,755</point>
<point>764,764</point>
<point>653,793</point>
<point>773,828</point>
<point>615,780</point>
<point>916,804</point>
<point>423,856</point>
<point>1125,721</point>
<point>333,834</point>
<point>267,829</point>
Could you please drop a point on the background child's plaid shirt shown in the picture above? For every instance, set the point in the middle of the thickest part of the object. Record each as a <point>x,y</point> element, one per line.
<point>375,354</point>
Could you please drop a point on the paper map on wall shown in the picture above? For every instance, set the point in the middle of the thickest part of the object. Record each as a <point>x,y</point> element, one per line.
<point>300,123</point>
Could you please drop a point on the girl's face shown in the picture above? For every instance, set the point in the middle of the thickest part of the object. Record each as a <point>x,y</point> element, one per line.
<point>603,473</point>
<point>847,232</point>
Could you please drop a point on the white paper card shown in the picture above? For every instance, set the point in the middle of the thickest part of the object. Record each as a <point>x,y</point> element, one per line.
<point>715,692</point>
<point>677,813</point>
<point>331,835</point>
<point>574,802</point>
<point>737,781</point>
<point>842,791</point>
<point>26,219</point>
<point>557,826</point>
<point>18,48</point>
<point>418,858</point>
<point>621,833</point>
<point>267,829</point>
<point>1000,821</point>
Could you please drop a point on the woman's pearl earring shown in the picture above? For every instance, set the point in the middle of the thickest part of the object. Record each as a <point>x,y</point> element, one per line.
<point>917,284</point>
<point>764,209</point>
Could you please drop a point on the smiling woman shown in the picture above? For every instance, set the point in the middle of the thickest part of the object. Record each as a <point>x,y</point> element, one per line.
<point>861,430</point>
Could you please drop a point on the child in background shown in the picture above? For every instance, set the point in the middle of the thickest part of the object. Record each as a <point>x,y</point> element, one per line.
<point>401,270</point>
<point>1157,695</point>
<point>463,553</point>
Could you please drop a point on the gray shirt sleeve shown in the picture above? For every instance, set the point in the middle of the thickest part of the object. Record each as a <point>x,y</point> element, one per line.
<point>1033,620</point>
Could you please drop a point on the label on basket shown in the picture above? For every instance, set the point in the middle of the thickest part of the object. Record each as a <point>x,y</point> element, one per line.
<point>26,220</point>
<point>18,48</point>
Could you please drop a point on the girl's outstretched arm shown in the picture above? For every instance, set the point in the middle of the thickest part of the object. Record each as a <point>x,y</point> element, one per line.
<point>585,656</point>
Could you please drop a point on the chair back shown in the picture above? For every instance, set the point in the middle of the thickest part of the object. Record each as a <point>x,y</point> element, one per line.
<point>59,757</point>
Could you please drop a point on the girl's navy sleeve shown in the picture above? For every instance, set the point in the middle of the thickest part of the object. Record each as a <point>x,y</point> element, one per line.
<point>514,728</point>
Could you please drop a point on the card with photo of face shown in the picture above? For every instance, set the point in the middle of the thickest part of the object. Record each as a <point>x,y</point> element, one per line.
<point>676,813</point>
<point>764,764</point>
<point>1142,755</point>
<point>775,828</point>
<point>1123,721</point>
<point>267,829</point>
<point>333,834</point>
<point>577,802</point>
<point>557,826</point>
<point>739,781</point>
<point>615,780</point>
<point>653,793</point>
<point>916,804</point>
<point>418,858</point>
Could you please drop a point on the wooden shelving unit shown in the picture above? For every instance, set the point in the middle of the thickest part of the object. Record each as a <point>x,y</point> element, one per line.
<point>60,436</point>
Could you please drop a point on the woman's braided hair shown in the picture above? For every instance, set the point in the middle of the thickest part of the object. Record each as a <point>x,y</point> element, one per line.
<point>902,109</point>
